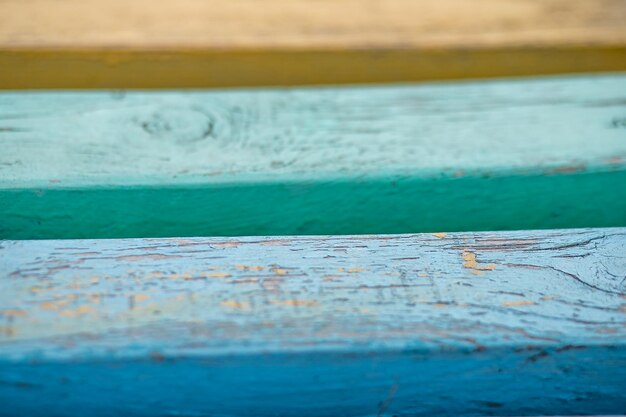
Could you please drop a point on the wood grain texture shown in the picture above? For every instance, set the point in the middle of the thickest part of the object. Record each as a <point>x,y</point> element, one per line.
<point>515,323</point>
<point>193,43</point>
<point>516,154</point>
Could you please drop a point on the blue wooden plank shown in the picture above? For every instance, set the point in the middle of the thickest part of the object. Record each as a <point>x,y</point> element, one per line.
<point>393,159</point>
<point>508,323</point>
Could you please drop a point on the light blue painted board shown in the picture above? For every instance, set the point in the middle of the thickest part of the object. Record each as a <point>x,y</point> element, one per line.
<point>495,323</point>
<point>488,155</point>
<point>99,138</point>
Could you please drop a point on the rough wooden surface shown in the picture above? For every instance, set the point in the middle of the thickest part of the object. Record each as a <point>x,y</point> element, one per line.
<point>542,153</point>
<point>305,23</point>
<point>183,43</point>
<point>560,124</point>
<point>516,323</point>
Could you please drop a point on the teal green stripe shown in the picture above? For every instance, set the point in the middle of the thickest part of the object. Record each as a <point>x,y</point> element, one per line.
<point>384,205</point>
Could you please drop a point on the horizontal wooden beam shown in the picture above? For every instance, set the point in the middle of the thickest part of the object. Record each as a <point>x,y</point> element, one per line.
<point>45,68</point>
<point>516,154</point>
<point>515,323</point>
<point>194,43</point>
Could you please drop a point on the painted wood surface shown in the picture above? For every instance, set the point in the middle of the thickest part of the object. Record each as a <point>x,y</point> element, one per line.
<point>494,323</point>
<point>193,43</point>
<point>515,154</point>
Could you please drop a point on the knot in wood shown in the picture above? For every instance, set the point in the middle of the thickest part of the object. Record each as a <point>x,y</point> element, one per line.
<point>179,125</point>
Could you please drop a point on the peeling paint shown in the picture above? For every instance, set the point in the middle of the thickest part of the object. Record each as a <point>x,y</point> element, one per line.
<point>218,275</point>
<point>14,313</point>
<point>297,303</point>
<point>517,303</point>
<point>79,311</point>
<point>470,262</point>
<point>240,305</point>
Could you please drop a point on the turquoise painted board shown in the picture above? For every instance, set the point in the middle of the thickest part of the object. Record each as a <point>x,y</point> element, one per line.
<point>493,323</point>
<point>491,155</point>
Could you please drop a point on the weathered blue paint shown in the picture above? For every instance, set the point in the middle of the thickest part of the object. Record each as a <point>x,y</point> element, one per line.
<point>393,159</point>
<point>515,323</point>
<point>66,139</point>
<point>529,381</point>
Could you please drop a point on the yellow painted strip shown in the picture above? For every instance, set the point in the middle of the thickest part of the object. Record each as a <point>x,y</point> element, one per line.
<point>23,68</point>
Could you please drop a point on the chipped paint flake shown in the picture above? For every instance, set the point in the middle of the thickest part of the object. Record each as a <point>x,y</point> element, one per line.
<point>218,275</point>
<point>79,311</point>
<point>470,262</point>
<point>239,305</point>
<point>517,303</point>
<point>225,245</point>
<point>180,276</point>
<point>141,297</point>
<point>14,313</point>
<point>139,258</point>
<point>242,267</point>
<point>274,243</point>
<point>297,303</point>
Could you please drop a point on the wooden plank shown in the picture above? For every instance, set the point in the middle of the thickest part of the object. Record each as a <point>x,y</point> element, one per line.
<point>515,323</point>
<point>195,43</point>
<point>516,154</point>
